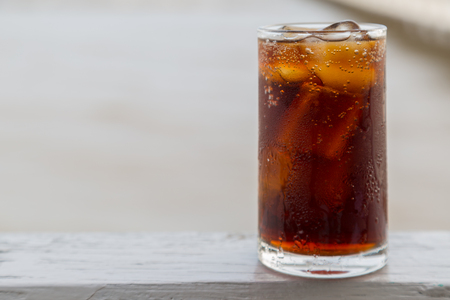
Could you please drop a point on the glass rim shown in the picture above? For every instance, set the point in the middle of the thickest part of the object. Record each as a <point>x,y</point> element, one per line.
<point>315,28</point>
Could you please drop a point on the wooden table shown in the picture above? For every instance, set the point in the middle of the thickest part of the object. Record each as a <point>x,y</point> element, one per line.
<point>202,266</point>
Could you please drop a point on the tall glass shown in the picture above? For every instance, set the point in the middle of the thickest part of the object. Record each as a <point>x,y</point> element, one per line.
<point>322,149</point>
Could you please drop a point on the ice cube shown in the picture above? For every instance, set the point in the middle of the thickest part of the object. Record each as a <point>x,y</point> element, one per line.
<point>295,32</point>
<point>334,140</point>
<point>285,73</point>
<point>296,126</point>
<point>284,63</point>
<point>335,116</point>
<point>275,165</point>
<point>298,193</point>
<point>339,31</point>
<point>343,26</point>
<point>346,66</point>
<point>333,36</point>
<point>293,74</point>
<point>295,28</point>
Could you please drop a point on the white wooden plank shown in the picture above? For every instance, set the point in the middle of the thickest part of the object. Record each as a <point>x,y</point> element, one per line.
<point>202,266</point>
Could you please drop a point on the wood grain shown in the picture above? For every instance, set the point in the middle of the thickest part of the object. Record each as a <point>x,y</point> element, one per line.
<point>202,266</point>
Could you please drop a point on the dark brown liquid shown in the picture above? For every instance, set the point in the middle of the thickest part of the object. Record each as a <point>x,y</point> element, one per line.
<point>322,146</point>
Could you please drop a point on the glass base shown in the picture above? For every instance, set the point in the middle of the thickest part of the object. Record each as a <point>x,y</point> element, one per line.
<point>315,266</point>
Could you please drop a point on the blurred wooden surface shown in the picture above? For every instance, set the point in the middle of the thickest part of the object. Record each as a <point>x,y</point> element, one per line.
<point>202,266</point>
<point>142,115</point>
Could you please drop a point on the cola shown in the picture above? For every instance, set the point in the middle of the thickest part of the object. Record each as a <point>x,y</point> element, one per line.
<point>322,141</point>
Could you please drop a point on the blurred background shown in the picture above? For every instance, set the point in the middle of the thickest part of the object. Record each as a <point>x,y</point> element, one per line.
<point>141,115</point>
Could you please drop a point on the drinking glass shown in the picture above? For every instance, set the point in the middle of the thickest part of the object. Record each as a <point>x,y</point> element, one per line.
<point>322,149</point>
